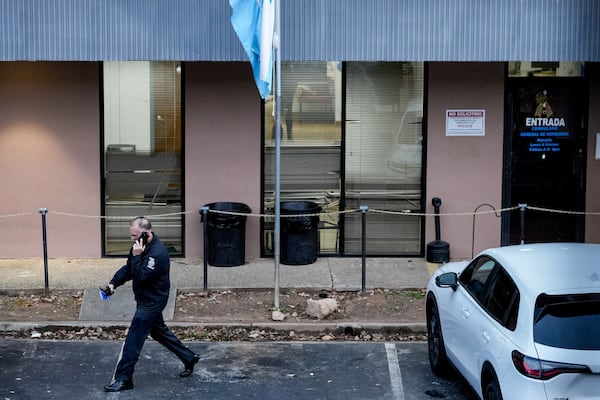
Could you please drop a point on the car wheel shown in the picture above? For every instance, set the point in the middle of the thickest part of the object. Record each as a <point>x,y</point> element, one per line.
<point>492,390</point>
<point>435,342</point>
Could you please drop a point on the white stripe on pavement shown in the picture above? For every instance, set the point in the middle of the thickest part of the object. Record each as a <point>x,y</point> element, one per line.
<point>117,364</point>
<point>395,375</point>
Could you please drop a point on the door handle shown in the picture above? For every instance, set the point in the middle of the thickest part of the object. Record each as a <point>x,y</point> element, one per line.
<point>486,337</point>
<point>466,313</point>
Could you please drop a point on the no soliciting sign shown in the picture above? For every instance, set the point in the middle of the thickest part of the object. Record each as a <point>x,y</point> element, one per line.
<point>465,122</point>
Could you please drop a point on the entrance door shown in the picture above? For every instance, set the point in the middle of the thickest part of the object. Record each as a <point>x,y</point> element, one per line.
<point>544,159</point>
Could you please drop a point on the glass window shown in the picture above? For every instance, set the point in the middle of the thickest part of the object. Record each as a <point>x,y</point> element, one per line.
<point>504,299</point>
<point>475,277</point>
<point>363,149</point>
<point>310,145</point>
<point>544,68</point>
<point>383,155</point>
<point>568,321</point>
<point>142,151</point>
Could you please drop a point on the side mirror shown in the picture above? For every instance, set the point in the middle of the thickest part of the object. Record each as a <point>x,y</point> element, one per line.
<point>449,279</point>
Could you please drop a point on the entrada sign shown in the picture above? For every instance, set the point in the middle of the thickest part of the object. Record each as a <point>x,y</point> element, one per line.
<point>544,121</point>
<point>544,128</point>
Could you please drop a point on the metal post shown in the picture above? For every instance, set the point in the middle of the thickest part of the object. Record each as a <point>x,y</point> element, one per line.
<point>44,211</point>
<point>363,210</point>
<point>277,227</point>
<point>437,202</point>
<point>204,212</point>
<point>522,207</point>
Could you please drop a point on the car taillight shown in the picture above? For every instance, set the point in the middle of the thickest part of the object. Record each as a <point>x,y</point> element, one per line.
<point>542,369</point>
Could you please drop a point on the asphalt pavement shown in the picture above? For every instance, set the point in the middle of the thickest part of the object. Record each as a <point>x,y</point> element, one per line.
<point>41,369</point>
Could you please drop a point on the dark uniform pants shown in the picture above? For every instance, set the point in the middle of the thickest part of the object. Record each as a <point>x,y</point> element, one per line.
<point>148,319</point>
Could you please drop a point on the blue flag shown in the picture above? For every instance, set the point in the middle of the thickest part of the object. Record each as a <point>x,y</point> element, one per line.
<point>253,22</point>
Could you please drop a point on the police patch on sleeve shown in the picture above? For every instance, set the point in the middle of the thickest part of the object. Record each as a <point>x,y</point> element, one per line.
<point>151,263</point>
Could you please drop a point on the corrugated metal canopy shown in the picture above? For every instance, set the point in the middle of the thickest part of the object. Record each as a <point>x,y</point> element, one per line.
<point>373,30</point>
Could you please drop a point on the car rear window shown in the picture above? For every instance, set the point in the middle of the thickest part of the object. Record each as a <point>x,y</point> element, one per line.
<point>568,321</point>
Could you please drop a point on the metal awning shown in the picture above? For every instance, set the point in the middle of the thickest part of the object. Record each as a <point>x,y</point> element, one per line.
<point>340,30</point>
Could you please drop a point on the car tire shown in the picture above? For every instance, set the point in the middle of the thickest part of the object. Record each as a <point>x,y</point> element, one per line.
<point>492,390</point>
<point>438,360</point>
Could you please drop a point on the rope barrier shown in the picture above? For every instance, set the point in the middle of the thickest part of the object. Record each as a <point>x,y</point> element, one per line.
<point>17,215</point>
<point>410,213</point>
<point>120,216</point>
<point>235,213</point>
<point>533,208</point>
<point>363,209</point>
<point>416,214</point>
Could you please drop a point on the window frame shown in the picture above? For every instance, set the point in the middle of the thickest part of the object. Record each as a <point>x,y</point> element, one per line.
<point>466,278</point>
<point>347,229</point>
<point>171,122</point>
<point>510,315</point>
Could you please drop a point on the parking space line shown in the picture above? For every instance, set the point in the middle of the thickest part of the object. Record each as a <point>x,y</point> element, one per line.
<point>394,368</point>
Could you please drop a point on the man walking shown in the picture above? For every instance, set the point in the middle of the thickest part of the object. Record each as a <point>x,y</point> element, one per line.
<point>148,267</point>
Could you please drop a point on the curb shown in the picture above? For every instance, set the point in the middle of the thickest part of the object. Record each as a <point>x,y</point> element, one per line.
<point>403,328</point>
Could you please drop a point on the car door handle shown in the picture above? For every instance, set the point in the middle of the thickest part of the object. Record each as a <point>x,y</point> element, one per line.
<point>486,337</point>
<point>466,313</point>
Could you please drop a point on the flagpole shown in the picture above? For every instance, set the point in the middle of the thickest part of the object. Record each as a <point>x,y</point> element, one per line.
<point>277,233</point>
<point>257,26</point>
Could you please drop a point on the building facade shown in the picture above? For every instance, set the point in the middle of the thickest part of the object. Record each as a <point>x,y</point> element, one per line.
<point>112,109</point>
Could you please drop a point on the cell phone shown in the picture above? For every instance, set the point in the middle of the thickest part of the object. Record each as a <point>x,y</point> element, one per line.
<point>103,295</point>
<point>144,237</point>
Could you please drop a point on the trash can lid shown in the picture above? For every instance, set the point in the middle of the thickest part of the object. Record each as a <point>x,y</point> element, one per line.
<point>295,206</point>
<point>229,206</point>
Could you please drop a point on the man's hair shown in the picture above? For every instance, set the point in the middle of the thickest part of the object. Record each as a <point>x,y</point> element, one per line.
<point>141,222</point>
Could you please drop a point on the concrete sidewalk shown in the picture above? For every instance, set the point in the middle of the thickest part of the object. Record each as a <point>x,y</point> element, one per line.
<point>188,273</point>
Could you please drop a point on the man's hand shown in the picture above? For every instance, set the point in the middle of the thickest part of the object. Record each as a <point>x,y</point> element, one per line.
<point>108,290</point>
<point>138,247</point>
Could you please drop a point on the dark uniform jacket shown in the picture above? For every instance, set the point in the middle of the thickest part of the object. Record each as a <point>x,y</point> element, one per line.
<point>149,273</point>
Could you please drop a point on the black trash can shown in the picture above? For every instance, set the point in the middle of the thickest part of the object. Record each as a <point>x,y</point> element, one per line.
<point>438,252</point>
<point>226,234</point>
<point>300,234</point>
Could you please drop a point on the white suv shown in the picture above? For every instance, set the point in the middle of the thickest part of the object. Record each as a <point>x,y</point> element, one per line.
<point>520,322</point>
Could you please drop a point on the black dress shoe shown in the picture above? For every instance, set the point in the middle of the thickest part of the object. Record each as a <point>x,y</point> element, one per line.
<point>189,367</point>
<point>118,386</point>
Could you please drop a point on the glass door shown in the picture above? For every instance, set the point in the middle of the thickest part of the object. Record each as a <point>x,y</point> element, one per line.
<point>545,158</point>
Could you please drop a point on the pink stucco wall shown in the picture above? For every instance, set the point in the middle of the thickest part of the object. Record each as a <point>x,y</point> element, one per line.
<point>50,153</point>
<point>49,157</point>
<point>592,200</point>
<point>222,145</point>
<point>465,172</point>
